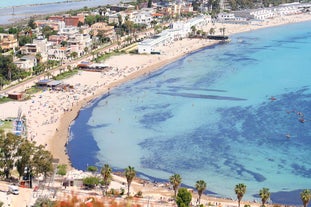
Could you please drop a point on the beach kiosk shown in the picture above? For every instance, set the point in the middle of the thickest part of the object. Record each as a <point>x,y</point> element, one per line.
<point>43,83</point>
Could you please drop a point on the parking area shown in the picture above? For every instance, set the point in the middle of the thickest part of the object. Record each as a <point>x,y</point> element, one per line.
<point>24,198</point>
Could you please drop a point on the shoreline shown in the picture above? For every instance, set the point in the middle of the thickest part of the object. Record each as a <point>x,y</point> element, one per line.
<point>145,71</point>
<point>41,4</point>
<point>24,12</point>
<point>122,64</point>
<point>63,134</point>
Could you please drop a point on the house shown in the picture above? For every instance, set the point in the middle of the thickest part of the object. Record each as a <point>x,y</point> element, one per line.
<point>59,53</point>
<point>143,16</point>
<point>73,21</point>
<point>57,39</point>
<point>39,45</point>
<point>26,62</point>
<point>17,96</point>
<point>113,18</point>
<point>8,41</point>
<point>54,24</point>
<point>69,31</point>
<point>225,17</point>
<point>78,42</point>
<point>186,8</point>
<point>288,9</point>
<point>69,20</point>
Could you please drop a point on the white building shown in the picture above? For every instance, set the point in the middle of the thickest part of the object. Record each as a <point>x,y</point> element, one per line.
<point>225,17</point>
<point>77,43</point>
<point>68,31</point>
<point>143,16</point>
<point>150,45</point>
<point>288,9</point>
<point>26,62</point>
<point>179,30</point>
<point>262,14</point>
<point>58,54</point>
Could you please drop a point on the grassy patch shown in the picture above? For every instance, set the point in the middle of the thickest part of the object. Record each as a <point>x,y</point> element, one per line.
<point>5,99</point>
<point>33,90</point>
<point>66,74</point>
<point>103,57</point>
<point>6,125</point>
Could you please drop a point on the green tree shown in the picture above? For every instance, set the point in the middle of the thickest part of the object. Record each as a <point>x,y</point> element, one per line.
<point>149,4</point>
<point>106,173</point>
<point>201,187</point>
<point>73,55</point>
<point>240,190</point>
<point>264,195</point>
<point>305,196</point>
<point>158,28</point>
<point>64,43</point>
<point>38,57</point>
<point>130,173</point>
<point>13,30</point>
<point>44,202</point>
<point>153,23</point>
<point>222,30</point>
<point>193,30</point>
<point>183,198</point>
<point>212,31</point>
<point>48,31</point>
<point>86,49</point>
<point>23,40</point>
<point>31,23</point>
<point>92,169</point>
<point>175,181</point>
<point>24,154</point>
<point>91,181</point>
<point>90,19</point>
<point>8,148</point>
<point>42,161</point>
<point>61,170</point>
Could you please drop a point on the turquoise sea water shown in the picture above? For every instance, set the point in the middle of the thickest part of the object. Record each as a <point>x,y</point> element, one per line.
<point>228,114</point>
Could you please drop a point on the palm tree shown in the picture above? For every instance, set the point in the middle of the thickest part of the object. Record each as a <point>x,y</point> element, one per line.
<point>264,195</point>
<point>212,31</point>
<point>130,173</point>
<point>193,30</point>
<point>305,196</point>
<point>175,180</point>
<point>201,187</point>
<point>222,30</point>
<point>240,190</point>
<point>106,173</point>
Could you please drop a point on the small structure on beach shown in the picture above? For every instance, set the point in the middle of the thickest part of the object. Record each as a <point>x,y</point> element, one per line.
<point>17,96</point>
<point>53,84</point>
<point>44,82</point>
<point>89,66</point>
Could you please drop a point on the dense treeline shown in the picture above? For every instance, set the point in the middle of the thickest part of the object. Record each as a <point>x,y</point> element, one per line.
<point>18,153</point>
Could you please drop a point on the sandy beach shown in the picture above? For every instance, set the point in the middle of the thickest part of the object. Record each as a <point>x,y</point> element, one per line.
<point>50,113</point>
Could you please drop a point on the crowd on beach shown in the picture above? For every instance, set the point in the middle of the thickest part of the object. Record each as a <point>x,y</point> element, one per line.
<point>49,113</point>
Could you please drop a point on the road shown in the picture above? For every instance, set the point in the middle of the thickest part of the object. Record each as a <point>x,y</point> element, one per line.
<point>22,86</point>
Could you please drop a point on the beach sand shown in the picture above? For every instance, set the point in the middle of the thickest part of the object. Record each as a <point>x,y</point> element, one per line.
<point>50,113</point>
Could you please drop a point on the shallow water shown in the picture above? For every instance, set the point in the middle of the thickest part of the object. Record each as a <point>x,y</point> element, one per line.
<point>24,9</point>
<point>227,114</point>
